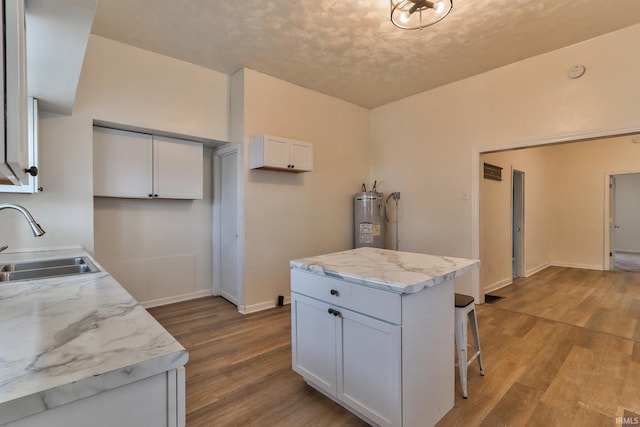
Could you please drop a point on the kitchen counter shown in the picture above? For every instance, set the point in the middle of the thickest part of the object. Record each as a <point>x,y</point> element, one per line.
<point>394,271</point>
<point>67,338</point>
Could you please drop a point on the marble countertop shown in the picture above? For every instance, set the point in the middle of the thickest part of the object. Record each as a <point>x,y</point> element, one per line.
<point>66,338</point>
<point>394,271</point>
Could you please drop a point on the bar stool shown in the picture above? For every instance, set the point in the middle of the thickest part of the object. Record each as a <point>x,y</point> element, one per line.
<point>466,308</point>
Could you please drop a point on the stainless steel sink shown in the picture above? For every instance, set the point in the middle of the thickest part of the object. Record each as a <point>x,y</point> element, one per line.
<point>47,268</point>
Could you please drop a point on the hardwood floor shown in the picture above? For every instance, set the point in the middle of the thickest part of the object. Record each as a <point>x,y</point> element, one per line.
<point>561,349</point>
<point>239,370</point>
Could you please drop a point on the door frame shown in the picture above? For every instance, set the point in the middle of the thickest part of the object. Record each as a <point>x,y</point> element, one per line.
<point>218,154</point>
<point>607,263</point>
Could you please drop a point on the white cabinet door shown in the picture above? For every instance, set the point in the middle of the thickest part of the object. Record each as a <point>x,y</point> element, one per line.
<point>14,155</point>
<point>122,163</point>
<point>314,342</point>
<point>370,375</point>
<point>177,172</point>
<point>301,156</point>
<point>276,153</point>
<point>353,357</point>
<point>31,182</point>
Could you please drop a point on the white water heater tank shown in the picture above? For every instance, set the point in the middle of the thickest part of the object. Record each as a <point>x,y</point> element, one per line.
<point>369,224</point>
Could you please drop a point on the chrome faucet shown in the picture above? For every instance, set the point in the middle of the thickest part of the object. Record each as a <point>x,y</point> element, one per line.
<point>35,227</point>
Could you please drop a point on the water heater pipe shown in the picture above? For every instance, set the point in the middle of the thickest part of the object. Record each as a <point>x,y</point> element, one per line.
<point>396,197</point>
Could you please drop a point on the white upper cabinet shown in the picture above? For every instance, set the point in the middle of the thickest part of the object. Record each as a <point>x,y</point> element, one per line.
<point>177,168</point>
<point>272,152</point>
<point>30,184</point>
<point>138,165</point>
<point>14,144</point>
<point>122,163</point>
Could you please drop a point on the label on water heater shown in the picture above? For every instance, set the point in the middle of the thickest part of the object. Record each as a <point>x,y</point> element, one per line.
<point>366,232</point>
<point>376,229</point>
<point>366,228</point>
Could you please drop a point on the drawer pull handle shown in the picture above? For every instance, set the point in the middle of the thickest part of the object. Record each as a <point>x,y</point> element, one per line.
<point>334,292</point>
<point>334,312</point>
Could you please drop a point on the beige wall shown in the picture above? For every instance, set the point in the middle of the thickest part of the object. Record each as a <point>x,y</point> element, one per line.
<point>289,216</point>
<point>426,145</point>
<point>159,250</point>
<point>565,206</point>
<point>580,198</point>
<point>627,212</point>
<point>138,241</point>
<point>64,208</point>
<point>130,86</point>
<point>495,215</point>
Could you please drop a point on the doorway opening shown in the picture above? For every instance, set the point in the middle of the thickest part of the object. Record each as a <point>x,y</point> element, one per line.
<point>517,224</point>
<point>624,226</point>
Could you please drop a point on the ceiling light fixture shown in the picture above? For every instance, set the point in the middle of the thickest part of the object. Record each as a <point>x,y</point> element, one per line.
<point>417,14</point>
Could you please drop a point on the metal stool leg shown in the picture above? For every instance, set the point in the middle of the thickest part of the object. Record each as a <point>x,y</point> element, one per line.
<point>461,345</point>
<point>473,321</point>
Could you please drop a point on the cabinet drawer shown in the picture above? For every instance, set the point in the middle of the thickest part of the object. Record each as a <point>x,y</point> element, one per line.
<point>372,302</point>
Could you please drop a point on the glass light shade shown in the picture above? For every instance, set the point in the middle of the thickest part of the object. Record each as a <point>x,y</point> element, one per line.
<point>417,14</point>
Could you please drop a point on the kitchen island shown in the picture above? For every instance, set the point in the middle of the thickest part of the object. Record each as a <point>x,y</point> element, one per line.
<point>373,330</point>
<point>79,350</point>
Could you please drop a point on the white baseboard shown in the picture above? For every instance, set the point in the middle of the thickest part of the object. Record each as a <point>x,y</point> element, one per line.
<point>246,309</point>
<point>534,270</point>
<point>176,298</point>
<point>628,251</point>
<point>497,285</point>
<point>583,266</point>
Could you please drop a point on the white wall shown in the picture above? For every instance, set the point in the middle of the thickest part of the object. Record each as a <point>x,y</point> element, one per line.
<point>287,215</point>
<point>159,250</point>
<point>130,86</point>
<point>133,87</point>
<point>426,145</point>
<point>627,212</point>
<point>64,208</point>
<point>565,206</point>
<point>496,213</point>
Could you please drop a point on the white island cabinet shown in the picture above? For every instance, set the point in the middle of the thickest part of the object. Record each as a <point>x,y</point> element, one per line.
<point>373,330</point>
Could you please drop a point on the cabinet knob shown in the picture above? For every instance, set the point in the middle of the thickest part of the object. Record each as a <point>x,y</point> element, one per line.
<point>33,171</point>
<point>336,313</point>
<point>150,195</point>
<point>334,292</point>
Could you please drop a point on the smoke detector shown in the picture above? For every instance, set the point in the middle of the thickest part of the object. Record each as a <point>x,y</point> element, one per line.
<point>576,71</point>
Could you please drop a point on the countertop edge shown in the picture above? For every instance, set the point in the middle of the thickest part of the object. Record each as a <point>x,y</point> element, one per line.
<point>92,384</point>
<point>385,286</point>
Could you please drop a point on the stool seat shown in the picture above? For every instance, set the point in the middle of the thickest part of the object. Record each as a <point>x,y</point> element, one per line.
<point>465,310</point>
<point>463,300</point>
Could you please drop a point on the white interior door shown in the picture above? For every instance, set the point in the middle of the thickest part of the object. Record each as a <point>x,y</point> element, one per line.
<point>229,277</point>
<point>518,224</point>
<point>612,222</point>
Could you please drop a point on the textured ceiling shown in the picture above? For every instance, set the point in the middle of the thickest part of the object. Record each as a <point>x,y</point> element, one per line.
<point>349,49</point>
